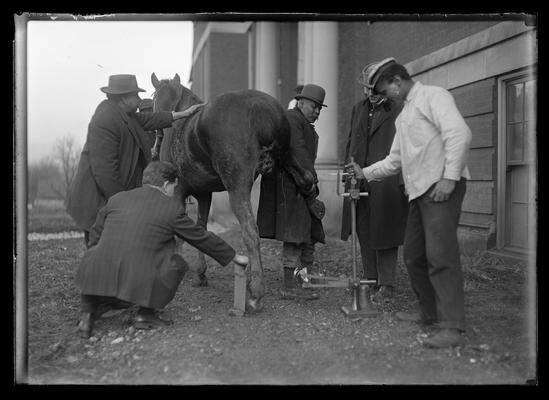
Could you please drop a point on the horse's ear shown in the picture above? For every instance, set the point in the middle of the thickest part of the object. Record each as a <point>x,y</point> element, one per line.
<point>177,79</point>
<point>154,80</point>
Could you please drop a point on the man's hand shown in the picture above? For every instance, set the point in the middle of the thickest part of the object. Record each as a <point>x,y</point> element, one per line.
<point>317,208</point>
<point>241,260</point>
<point>194,108</point>
<point>442,191</point>
<point>356,169</point>
<point>188,112</point>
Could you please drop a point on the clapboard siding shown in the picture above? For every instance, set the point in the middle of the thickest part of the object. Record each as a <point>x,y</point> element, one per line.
<point>482,164</point>
<point>483,129</point>
<point>479,197</point>
<point>476,98</point>
<point>476,220</point>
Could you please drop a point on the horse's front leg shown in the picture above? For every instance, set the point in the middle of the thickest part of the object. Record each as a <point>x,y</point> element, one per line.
<point>204,203</point>
<point>242,209</point>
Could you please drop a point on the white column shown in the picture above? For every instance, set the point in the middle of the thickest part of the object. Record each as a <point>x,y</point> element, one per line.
<point>319,58</point>
<point>266,58</point>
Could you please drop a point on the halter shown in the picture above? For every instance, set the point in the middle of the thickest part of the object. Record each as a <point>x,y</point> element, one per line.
<point>154,96</point>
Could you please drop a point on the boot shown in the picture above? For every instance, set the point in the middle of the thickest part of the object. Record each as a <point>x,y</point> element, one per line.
<point>292,290</point>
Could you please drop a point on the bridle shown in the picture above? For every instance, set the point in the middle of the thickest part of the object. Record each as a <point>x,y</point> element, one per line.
<point>155,95</point>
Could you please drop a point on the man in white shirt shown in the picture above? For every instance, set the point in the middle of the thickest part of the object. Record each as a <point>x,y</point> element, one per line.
<point>430,147</point>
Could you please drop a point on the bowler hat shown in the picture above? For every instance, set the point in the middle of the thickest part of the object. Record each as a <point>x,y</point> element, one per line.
<point>122,84</point>
<point>314,93</point>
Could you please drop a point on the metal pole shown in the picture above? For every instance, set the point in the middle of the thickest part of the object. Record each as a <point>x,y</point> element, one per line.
<point>353,235</point>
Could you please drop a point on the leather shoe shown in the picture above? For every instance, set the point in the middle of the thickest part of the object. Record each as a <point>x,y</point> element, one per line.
<point>413,317</point>
<point>85,325</point>
<point>150,321</point>
<point>444,338</point>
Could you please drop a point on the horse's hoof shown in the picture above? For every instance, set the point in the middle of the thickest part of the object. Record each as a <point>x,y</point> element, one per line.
<point>199,281</point>
<point>254,306</point>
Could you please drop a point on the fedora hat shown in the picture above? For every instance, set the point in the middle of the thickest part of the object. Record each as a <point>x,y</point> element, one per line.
<point>122,84</point>
<point>314,93</point>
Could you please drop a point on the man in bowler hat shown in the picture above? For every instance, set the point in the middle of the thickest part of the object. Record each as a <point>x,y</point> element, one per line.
<point>116,149</point>
<point>289,212</point>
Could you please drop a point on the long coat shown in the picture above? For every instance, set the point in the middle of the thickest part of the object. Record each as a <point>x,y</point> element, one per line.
<point>282,212</point>
<point>132,245</point>
<point>386,207</point>
<point>113,158</point>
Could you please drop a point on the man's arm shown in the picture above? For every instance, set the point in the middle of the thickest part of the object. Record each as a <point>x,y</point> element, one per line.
<point>456,137</point>
<point>389,166</point>
<point>205,241</point>
<point>151,121</point>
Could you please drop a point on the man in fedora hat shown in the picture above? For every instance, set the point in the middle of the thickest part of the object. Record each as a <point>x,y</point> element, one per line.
<point>116,149</point>
<point>430,147</point>
<point>380,216</point>
<point>288,212</point>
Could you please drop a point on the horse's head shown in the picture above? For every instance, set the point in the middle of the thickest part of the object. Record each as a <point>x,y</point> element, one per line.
<point>171,95</point>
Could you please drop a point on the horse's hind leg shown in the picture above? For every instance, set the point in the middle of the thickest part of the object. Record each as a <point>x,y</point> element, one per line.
<point>242,209</point>
<point>204,203</point>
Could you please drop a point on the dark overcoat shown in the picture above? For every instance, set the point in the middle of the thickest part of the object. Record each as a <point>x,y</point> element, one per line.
<point>132,245</point>
<point>113,158</point>
<point>386,207</point>
<point>282,212</point>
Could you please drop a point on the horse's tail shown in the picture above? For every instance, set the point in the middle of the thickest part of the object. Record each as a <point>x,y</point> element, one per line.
<point>272,129</point>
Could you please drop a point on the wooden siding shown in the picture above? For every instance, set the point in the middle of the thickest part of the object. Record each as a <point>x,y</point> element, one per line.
<point>482,164</point>
<point>479,197</point>
<point>484,130</point>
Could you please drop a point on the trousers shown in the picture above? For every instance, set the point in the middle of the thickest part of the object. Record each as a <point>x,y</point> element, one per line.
<point>432,257</point>
<point>292,253</point>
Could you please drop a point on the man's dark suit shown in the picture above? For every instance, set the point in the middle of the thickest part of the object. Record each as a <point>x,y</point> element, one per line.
<point>133,244</point>
<point>114,156</point>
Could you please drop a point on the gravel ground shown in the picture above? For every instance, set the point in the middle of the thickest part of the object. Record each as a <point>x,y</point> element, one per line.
<point>288,343</point>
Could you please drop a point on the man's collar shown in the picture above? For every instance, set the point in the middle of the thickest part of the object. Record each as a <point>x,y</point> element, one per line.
<point>413,91</point>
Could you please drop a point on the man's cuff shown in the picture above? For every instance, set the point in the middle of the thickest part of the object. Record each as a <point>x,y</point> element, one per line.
<point>452,175</point>
<point>367,173</point>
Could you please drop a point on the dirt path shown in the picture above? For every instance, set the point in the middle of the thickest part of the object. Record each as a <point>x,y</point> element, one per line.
<point>288,343</point>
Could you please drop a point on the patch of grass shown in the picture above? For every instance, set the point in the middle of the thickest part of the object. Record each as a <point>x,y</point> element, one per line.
<point>50,220</point>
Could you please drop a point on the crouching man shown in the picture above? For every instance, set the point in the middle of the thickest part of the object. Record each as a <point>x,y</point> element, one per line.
<point>132,255</point>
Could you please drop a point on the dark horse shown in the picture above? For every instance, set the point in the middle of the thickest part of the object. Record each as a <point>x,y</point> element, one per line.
<point>225,146</point>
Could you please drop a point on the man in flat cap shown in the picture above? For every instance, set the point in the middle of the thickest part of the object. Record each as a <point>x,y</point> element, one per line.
<point>291,213</point>
<point>116,149</point>
<point>380,216</point>
<point>431,146</point>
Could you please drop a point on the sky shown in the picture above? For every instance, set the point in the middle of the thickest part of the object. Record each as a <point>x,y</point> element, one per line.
<point>69,61</point>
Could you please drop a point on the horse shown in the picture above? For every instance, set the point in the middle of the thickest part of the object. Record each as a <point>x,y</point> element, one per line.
<point>225,146</point>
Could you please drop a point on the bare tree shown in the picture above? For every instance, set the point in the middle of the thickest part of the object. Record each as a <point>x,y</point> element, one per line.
<point>66,155</point>
<point>44,171</point>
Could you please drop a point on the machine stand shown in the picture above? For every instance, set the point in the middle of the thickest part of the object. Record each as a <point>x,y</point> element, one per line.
<point>361,305</point>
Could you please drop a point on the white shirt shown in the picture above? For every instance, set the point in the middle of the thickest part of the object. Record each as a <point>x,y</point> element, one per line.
<point>431,142</point>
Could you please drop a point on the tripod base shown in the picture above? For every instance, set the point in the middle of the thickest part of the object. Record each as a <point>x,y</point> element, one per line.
<point>350,312</point>
<point>361,306</point>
